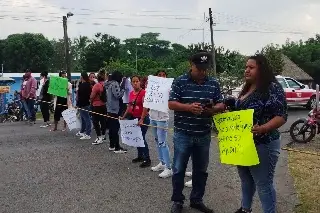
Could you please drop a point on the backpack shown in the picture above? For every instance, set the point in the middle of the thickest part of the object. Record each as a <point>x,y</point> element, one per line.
<point>103,95</point>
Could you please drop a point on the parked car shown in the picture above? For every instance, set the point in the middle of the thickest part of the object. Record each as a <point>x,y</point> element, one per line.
<point>297,94</point>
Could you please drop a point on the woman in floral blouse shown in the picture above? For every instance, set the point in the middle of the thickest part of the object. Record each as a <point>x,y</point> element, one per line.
<point>265,95</point>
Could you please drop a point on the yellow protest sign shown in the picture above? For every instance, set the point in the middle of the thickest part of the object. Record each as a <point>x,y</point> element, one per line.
<point>4,89</point>
<point>235,138</point>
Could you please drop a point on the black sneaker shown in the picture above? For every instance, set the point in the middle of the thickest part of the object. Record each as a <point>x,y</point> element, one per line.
<point>145,164</point>
<point>241,210</point>
<point>176,207</point>
<point>120,151</point>
<point>137,160</point>
<point>201,207</point>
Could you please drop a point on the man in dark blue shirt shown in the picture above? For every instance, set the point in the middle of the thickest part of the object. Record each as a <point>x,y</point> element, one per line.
<point>194,97</point>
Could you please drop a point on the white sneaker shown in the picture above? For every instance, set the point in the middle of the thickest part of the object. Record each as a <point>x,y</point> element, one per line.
<point>166,173</point>
<point>45,125</point>
<point>158,167</point>
<point>79,134</point>
<point>97,141</point>
<point>188,174</point>
<point>85,137</point>
<point>188,184</point>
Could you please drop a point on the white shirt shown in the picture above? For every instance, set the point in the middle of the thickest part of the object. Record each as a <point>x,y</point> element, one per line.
<point>40,87</point>
<point>128,88</point>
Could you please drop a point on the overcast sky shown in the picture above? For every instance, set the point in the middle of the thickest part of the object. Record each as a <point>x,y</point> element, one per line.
<point>293,19</point>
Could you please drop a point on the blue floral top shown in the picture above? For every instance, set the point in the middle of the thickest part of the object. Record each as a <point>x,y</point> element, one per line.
<point>265,108</point>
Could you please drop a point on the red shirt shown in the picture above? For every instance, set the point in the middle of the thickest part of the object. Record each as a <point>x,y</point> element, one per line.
<point>95,94</point>
<point>138,108</point>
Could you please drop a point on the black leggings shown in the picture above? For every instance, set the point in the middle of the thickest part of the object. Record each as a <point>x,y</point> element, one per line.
<point>45,111</point>
<point>114,127</point>
<point>99,121</point>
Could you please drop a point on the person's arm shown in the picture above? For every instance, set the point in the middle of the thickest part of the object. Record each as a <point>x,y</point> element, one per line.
<point>33,88</point>
<point>218,100</point>
<point>94,92</point>
<point>175,98</point>
<point>277,105</point>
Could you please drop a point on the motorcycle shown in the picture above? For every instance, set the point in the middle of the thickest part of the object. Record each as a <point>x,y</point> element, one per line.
<point>309,127</point>
<point>11,113</point>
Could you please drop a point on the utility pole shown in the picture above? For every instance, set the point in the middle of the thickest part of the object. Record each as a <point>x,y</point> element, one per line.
<point>213,52</point>
<point>66,45</point>
<point>204,18</point>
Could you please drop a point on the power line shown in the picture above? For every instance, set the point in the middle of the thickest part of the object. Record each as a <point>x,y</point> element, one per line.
<point>160,27</point>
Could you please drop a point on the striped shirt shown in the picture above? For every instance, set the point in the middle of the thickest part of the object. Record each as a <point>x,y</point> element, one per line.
<point>185,90</point>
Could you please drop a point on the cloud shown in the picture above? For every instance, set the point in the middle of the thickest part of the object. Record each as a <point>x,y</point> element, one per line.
<point>44,16</point>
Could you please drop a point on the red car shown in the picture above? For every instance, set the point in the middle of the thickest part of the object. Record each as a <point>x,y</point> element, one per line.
<point>297,94</point>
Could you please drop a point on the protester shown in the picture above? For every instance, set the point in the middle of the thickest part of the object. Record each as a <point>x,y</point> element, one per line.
<point>98,101</point>
<point>134,111</point>
<point>266,96</point>
<point>29,95</point>
<point>61,104</point>
<point>83,102</point>
<point>115,91</point>
<point>159,122</point>
<point>93,79</point>
<point>45,100</point>
<point>127,90</point>
<point>194,97</point>
<point>23,100</point>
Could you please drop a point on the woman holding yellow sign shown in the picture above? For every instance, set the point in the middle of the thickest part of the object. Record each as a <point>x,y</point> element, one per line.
<point>262,93</point>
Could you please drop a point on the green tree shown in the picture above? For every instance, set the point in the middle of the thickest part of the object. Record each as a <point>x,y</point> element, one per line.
<point>104,48</point>
<point>306,54</point>
<point>274,56</point>
<point>27,50</point>
<point>78,48</point>
<point>123,67</point>
<point>57,61</point>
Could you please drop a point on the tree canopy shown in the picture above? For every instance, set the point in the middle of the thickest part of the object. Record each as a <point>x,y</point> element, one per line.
<point>142,55</point>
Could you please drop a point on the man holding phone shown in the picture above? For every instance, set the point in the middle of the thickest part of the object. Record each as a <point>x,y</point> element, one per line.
<point>194,98</point>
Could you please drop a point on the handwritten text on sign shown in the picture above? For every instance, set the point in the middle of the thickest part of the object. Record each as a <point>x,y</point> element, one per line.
<point>70,117</point>
<point>131,133</point>
<point>235,138</point>
<point>157,93</point>
<point>58,86</point>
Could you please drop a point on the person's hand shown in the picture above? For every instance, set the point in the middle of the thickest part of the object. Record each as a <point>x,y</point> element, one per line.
<point>195,108</point>
<point>140,122</point>
<point>259,130</point>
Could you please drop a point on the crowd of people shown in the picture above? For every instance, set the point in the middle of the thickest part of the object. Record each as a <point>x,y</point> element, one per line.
<point>194,97</point>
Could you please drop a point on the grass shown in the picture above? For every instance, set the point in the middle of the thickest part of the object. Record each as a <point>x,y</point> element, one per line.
<point>306,173</point>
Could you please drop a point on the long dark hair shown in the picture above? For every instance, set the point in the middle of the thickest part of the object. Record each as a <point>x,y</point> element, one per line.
<point>265,76</point>
<point>116,76</point>
<point>160,71</point>
<point>85,76</point>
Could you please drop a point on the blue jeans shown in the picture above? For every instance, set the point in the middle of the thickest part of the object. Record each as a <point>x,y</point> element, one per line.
<point>143,152</point>
<point>30,104</point>
<point>199,148</point>
<point>160,136</point>
<point>25,108</point>
<point>85,121</point>
<point>261,177</point>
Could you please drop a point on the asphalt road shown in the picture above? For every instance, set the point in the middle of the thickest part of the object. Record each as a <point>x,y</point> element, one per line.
<point>42,171</point>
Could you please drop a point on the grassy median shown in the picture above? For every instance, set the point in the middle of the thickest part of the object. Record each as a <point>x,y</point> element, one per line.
<point>306,173</point>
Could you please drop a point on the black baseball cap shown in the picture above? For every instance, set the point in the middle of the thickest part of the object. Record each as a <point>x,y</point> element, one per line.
<point>202,60</point>
<point>62,72</point>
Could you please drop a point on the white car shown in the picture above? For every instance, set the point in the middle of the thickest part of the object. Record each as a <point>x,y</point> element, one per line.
<point>297,94</point>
